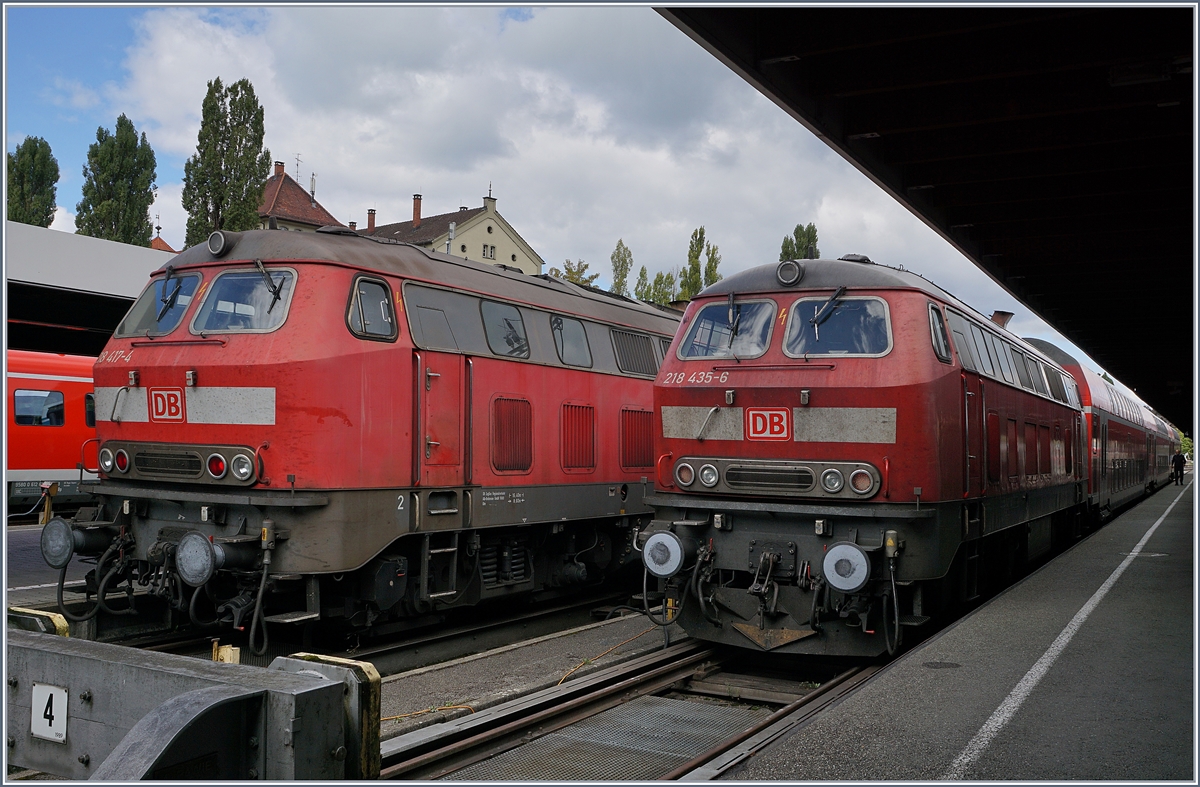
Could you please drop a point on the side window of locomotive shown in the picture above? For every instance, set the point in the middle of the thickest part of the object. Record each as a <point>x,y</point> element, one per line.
<point>436,333</point>
<point>937,327</point>
<point>981,351</point>
<point>848,326</point>
<point>1002,358</point>
<point>89,409</point>
<point>371,314</point>
<point>160,307</point>
<point>505,330</point>
<point>1055,381</point>
<point>38,408</point>
<point>635,353</point>
<point>245,301</point>
<point>1035,371</point>
<point>1018,361</point>
<point>570,339</point>
<point>715,334</point>
<point>958,327</point>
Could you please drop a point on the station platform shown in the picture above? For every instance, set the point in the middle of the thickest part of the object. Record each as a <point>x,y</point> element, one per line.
<point>1084,670</point>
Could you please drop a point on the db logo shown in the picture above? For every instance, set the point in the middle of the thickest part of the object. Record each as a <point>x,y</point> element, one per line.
<point>772,424</point>
<point>166,404</point>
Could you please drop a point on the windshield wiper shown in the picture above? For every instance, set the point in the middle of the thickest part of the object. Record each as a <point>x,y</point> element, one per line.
<point>276,290</point>
<point>168,301</point>
<point>825,312</point>
<point>735,320</point>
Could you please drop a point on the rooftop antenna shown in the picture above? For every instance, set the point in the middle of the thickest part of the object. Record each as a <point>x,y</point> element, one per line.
<point>489,189</point>
<point>157,226</point>
<point>297,167</point>
<point>312,188</point>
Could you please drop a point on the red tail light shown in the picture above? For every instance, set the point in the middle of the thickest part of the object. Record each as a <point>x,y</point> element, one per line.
<point>122,461</point>
<point>216,466</point>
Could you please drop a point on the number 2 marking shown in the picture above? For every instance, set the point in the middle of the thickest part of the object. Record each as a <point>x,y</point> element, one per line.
<point>400,503</point>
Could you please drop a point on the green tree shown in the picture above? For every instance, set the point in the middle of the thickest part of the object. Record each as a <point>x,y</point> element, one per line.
<point>223,181</point>
<point>801,245</point>
<point>1185,447</point>
<point>663,289</point>
<point>622,263</point>
<point>576,273</point>
<point>118,187</point>
<point>641,290</point>
<point>32,183</point>
<point>690,282</point>
<point>712,259</point>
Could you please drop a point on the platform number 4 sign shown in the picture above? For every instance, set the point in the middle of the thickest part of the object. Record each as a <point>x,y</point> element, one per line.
<point>49,713</point>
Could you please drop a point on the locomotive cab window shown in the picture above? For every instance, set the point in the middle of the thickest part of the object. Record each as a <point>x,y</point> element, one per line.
<point>937,327</point>
<point>570,340</point>
<point>246,301</point>
<point>505,330</point>
<point>720,332</point>
<point>38,408</point>
<point>160,307</point>
<point>847,325</point>
<point>371,315</point>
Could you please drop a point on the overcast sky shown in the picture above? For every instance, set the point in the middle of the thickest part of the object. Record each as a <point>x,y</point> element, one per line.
<point>589,125</point>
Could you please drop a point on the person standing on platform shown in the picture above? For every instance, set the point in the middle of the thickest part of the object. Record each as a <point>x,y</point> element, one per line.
<point>1177,463</point>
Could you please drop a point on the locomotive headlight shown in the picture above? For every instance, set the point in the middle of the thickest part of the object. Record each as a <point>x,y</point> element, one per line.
<point>241,467</point>
<point>216,466</point>
<point>832,481</point>
<point>106,460</point>
<point>709,475</point>
<point>121,460</point>
<point>861,481</point>
<point>685,474</point>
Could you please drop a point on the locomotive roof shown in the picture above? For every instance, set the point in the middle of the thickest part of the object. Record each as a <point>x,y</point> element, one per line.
<point>336,244</point>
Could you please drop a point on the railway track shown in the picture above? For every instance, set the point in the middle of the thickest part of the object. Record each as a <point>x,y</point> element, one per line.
<point>675,713</point>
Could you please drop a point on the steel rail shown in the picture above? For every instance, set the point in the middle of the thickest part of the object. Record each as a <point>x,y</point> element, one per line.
<point>783,719</point>
<point>435,753</point>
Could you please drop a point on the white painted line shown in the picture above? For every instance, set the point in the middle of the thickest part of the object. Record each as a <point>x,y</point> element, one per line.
<point>50,585</point>
<point>1012,703</point>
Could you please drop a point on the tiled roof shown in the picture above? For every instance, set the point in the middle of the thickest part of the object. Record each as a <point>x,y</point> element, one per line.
<point>431,227</point>
<point>158,243</point>
<point>286,199</point>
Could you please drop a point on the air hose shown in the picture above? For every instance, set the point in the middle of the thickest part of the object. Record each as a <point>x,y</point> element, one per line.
<point>257,617</point>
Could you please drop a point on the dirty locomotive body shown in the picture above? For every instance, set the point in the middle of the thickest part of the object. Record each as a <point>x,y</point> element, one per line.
<point>321,426</point>
<point>844,450</point>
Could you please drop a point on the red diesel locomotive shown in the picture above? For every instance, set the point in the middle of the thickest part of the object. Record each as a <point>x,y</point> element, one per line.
<point>51,412</point>
<point>303,426</point>
<point>844,449</point>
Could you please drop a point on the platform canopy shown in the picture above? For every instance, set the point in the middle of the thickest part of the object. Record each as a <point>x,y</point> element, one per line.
<point>1054,147</point>
<point>67,292</point>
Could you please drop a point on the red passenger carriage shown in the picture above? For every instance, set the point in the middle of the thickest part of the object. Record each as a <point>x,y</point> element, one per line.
<point>306,426</point>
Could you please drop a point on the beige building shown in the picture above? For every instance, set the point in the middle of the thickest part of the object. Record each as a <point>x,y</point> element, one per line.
<point>480,234</point>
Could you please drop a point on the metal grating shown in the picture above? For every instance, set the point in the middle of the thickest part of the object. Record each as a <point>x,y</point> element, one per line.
<point>799,478</point>
<point>512,434</point>
<point>641,739</point>
<point>637,438</point>
<point>635,353</point>
<point>578,436</point>
<point>188,465</point>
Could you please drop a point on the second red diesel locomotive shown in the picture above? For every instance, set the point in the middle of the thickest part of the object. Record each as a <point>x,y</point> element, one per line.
<point>845,449</point>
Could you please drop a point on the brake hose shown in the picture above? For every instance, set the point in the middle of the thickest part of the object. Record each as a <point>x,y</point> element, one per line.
<point>262,586</point>
<point>62,578</point>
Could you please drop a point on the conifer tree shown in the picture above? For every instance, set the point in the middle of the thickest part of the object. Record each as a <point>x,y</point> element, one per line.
<point>118,187</point>
<point>32,183</point>
<point>622,263</point>
<point>690,282</point>
<point>641,290</point>
<point>801,244</point>
<point>223,181</point>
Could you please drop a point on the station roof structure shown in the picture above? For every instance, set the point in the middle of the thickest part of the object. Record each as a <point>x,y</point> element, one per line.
<point>67,292</point>
<point>1054,147</point>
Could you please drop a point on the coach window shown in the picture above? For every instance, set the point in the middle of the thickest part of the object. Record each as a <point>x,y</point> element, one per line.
<point>937,327</point>
<point>505,330</point>
<point>38,408</point>
<point>160,307</point>
<point>570,339</point>
<point>89,409</point>
<point>719,332</point>
<point>246,301</point>
<point>838,326</point>
<point>371,315</point>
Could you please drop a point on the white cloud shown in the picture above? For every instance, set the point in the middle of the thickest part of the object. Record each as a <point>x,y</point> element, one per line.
<point>73,94</point>
<point>64,220</point>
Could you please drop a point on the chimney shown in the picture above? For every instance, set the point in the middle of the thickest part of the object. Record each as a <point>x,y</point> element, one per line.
<point>278,168</point>
<point>1001,318</point>
<point>354,225</point>
<point>370,220</point>
<point>416,211</point>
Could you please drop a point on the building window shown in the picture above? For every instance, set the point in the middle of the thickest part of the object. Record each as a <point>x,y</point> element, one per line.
<point>489,229</point>
<point>464,248</point>
<point>514,258</point>
<point>492,250</point>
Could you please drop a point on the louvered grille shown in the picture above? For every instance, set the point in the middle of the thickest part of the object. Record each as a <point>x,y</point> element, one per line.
<point>637,438</point>
<point>578,437</point>
<point>635,353</point>
<point>504,564</point>
<point>798,478</point>
<point>173,465</point>
<point>512,434</point>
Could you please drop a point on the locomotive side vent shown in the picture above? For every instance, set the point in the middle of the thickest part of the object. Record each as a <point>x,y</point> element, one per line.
<point>800,479</point>
<point>578,437</point>
<point>512,434</point>
<point>637,438</point>
<point>635,353</point>
<point>181,465</point>
<point>505,563</point>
